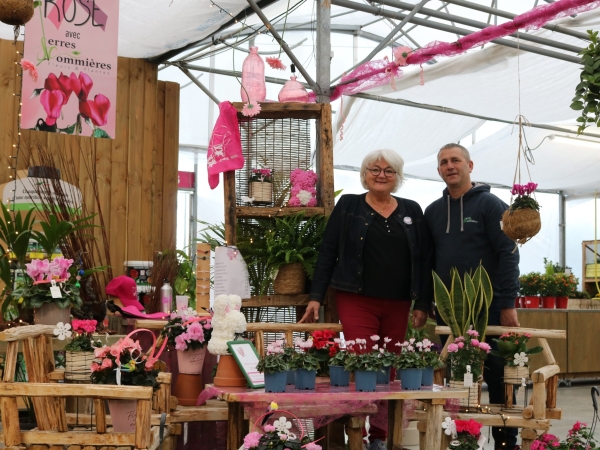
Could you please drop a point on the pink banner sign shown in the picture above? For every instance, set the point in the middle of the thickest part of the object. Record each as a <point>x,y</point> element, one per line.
<point>70,68</point>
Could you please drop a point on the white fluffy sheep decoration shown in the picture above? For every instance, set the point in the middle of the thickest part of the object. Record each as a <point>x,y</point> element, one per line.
<point>227,321</point>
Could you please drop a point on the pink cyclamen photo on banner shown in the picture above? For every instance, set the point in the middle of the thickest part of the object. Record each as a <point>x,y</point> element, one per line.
<point>70,68</point>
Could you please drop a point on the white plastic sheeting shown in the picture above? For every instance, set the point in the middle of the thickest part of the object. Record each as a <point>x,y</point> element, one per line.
<point>486,83</point>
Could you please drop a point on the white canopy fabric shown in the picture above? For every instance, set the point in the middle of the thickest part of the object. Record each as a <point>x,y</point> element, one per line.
<point>486,83</point>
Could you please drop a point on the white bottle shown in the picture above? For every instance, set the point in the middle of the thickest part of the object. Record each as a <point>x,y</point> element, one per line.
<point>166,297</point>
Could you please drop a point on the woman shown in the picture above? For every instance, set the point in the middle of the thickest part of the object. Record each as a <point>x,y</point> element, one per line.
<point>376,255</point>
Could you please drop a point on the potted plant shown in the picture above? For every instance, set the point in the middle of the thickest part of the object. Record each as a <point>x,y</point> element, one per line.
<point>465,434</point>
<point>50,288</point>
<point>431,360</point>
<point>305,364</point>
<point>275,366</point>
<point>292,247</point>
<point>566,286</point>
<point>365,363</point>
<point>125,364</point>
<point>260,188</point>
<point>290,354</point>
<point>338,375</point>
<point>410,364</point>
<point>188,334</point>
<point>467,355</point>
<point>278,435</point>
<point>530,289</point>
<point>512,347</point>
<point>387,359</point>
<point>325,346</point>
<point>79,352</point>
<point>548,290</point>
<point>521,221</point>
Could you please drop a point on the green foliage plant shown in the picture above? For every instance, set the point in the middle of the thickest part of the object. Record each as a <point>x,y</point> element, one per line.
<point>531,284</point>
<point>548,286</point>
<point>340,358</point>
<point>466,305</point>
<point>566,284</point>
<point>295,239</point>
<point>55,232</point>
<point>587,92</point>
<point>275,359</point>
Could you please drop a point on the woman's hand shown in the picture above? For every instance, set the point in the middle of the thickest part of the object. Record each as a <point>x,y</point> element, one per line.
<point>419,318</point>
<point>312,312</point>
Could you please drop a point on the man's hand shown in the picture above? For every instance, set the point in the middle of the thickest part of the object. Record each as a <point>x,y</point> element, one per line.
<point>508,318</point>
<point>312,312</point>
<point>419,318</point>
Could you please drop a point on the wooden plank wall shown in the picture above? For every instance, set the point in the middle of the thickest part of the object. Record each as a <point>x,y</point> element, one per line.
<point>137,171</point>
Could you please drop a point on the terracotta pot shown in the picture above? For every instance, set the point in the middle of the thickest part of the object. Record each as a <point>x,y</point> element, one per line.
<point>548,302</point>
<point>562,302</point>
<point>187,388</point>
<point>532,302</point>
<point>123,414</point>
<point>191,361</point>
<point>51,314</point>
<point>229,373</point>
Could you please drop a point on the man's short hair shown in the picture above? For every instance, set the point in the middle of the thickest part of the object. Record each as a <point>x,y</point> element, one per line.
<point>465,152</point>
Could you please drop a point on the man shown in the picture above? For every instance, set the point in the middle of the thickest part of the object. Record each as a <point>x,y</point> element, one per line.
<point>466,229</point>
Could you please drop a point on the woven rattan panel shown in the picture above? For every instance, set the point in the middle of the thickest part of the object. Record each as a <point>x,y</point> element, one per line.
<point>281,145</point>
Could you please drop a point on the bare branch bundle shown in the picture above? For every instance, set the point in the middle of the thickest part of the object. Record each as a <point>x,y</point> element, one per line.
<point>166,267</point>
<point>81,245</point>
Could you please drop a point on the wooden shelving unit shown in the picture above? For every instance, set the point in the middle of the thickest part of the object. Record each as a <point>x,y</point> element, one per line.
<point>323,166</point>
<point>321,112</point>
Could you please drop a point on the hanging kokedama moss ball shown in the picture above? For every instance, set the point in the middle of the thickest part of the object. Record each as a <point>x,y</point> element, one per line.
<point>521,224</point>
<point>16,12</point>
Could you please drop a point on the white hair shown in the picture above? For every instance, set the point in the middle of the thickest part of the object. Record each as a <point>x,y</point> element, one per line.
<point>391,157</point>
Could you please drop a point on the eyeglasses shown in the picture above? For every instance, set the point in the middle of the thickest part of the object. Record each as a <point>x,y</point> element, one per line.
<point>376,171</point>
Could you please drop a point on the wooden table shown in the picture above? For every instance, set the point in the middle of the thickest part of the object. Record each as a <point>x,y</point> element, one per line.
<point>326,395</point>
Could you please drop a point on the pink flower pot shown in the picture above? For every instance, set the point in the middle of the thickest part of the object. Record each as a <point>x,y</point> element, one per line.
<point>532,302</point>
<point>562,302</point>
<point>191,361</point>
<point>123,414</point>
<point>548,302</point>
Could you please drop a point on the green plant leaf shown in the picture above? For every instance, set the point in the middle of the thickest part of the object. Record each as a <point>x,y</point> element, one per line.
<point>444,304</point>
<point>100,133</point>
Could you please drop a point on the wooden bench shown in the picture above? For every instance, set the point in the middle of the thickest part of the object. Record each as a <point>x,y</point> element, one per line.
<point>533,419</point>
<point>55,427</point>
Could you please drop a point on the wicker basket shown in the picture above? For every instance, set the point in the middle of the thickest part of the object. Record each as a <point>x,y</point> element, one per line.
<point>474,398</point>
<point>77,365</point>
<point>521,224</point>
<point>514,375</point>
<point>290,280</point>
<point>261,191</point>
<point>16,12</point>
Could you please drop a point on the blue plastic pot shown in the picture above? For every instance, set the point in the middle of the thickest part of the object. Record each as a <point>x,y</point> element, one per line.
<point>338,376</point>
<point>365,380</point>
<point>305,379</point>
<point>427,377</point>
<point>383,376</point>
<point>411,379</point>
<point>275,382</point>
<point>291,377</point>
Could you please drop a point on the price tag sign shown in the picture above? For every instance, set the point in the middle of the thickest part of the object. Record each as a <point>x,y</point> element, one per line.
<point>55,290</point>
<point>468,378</point>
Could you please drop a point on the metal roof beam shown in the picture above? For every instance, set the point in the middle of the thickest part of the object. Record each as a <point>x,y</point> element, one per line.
<point>450,29</point>
<point>511,16</point>
<point>476,24</point>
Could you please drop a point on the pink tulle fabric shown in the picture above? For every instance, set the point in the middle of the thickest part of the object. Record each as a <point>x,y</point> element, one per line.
<point>530,20</point>
<point>377,73</point>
